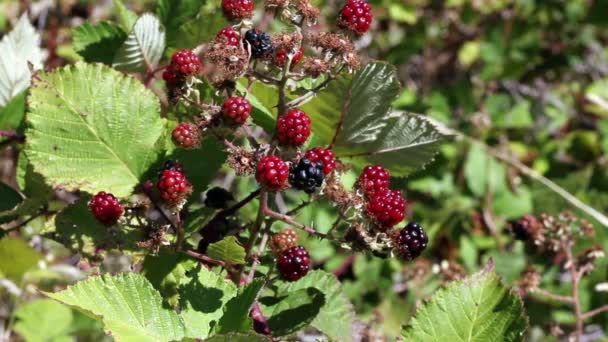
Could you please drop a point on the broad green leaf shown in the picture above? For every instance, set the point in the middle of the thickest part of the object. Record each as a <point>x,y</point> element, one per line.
<point>92,128</point>
<point>126,17</point>
<point>16,258</point>
<point>77,229</point>
<point>11,116</point>
<point>98,42</point>
<point>483,173</point>
<point>336,316</point>
<point>202,300</point>
<point>43,320</point>
<point>9,198</point>
<point>228,249</point>
<point>166,271</point>
<point>130,308</point>
<point>479,308</point>
<point>144,46</point>
<point>200,29</point>
<point>260,113</point>
<point>250,337</point>
<point>173,14</point>
<point>290,313</point>
<point>353,115</point>
<point>19,47</point>
<point>236,313</point>
<point>597,97</point>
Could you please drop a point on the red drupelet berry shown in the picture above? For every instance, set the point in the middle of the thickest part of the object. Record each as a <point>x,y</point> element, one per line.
<point>238,9</point>
<point>356,16</point>
<point>185,62</point>
<point>284,239</point>
<point>229,35</point>
<point>106,208</point>
<point>237,109</point>
<point>173,186</point>
<point>324,155</point>
<point>272,172</point>
<point>293,128</point>
<point>374,178</point>
<point>281,57</point>
<point>294,263</point>
<point>170,77</point>
<point>186,135</point>
<point>409,242</point>
<point>386,208</point>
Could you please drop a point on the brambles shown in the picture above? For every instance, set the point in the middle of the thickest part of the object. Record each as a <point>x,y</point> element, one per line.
<point>272,172</point>
<point>294,263</point>
<point>186,135</point>
<point>285,239</point>
<point>293,128</point>
<point>374,178</point>
<point>323,155</point>
<point>410,241</point>
<point>106,208</point>
<point>386,207</point>
<point>259,42</point>
<point>356,16</point>
<point>173,187</point>
<point>306,175</point>
<point>238,9</point>
<point>237,109</point>
<point>229,36</point>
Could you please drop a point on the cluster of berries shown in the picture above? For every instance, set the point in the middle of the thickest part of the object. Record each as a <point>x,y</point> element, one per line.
<point>184,63</point>
<point>293,260</point>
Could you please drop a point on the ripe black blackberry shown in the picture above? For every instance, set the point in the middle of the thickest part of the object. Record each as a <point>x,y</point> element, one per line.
<point>218,198</point>
<point>259,42</point>
<point>525,228</point>
<point>294,263</point>
<point>409,242</point>
<point>306,175</point>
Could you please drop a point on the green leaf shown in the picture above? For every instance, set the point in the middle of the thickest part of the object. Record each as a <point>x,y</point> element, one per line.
<point>336,316</point>
<point>98,42</point>
<point>43,320</point>
<point>130,308</point>
<point>9,198</point>
<point>77,229</point>
<point>144,46</point>
<point>353,113</point>
<point>290,313</point>
<point>479,308</point>
<point>200,29</point>
<point>483,173</point>
<point>126,17</point>
<point>202,300</point>
<point>16,258</point>
<point>19,47</point>
<point>260,114</point>
<point>11,116</point>
<point>174,14</point>
<point>166,271</point>
<point>236,313</point>
<point>228,250</point>
<point>250,337</point>
<point>92,128</point>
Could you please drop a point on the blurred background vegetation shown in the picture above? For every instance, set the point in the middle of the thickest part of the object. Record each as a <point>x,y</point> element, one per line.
<point>528,79</point>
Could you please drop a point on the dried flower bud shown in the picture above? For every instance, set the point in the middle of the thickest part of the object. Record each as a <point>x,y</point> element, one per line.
<point>242,161</point>
<point>309,12</point>
<point>526,228</point>
<point>229,62</point>
<point>315,67</point>
<point>586,261</point>
<point>530,280</point>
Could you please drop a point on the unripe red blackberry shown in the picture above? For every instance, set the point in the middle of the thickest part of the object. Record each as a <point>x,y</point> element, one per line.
<point>169,76</point>
<point>185,62</point>
<point>236,109</point>
<point>374,178</point>
<point>386,208</point>
<point>294,263</point>
<point>106,208</point>
<point>293,128</point>
<point>409,242</point>
<point>323,155</point>
<point>272,172</point>
<point>238,9</point>
<point>356,16</point>
<point>186,135</point>
<point>171,165</point>
<point>281,57</point>
<point>229,36</point>
<point>284,239</point>
<point>173,186</point>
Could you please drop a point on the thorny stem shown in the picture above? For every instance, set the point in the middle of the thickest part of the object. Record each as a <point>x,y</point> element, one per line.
<point>256,261</point>
<point>162,211</point>
<point>310,94</point>
<point>595,312</point>
<point>553,296</point>
<point>230,211</point>
<point>576,277</point>
<point>208,259</point>
<point>255,229</point>
<point>289,220</point>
